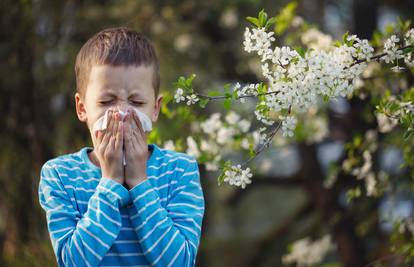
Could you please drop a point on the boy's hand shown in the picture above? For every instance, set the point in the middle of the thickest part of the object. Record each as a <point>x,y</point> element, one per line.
<point>109,149</point>
<point>136,151</point>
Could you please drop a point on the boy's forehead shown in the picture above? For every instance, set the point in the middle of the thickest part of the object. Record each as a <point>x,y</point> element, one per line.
<point>113,80</point>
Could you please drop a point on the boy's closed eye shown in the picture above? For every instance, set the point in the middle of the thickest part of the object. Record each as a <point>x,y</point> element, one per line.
<point>111,101</point>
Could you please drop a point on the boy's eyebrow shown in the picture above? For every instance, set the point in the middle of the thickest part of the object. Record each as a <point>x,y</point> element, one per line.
<point>108,94</point>
<point>113,94</point>
<point>136,94</point>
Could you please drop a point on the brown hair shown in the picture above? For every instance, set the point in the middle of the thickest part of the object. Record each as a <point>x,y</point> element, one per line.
<point>119,46</point>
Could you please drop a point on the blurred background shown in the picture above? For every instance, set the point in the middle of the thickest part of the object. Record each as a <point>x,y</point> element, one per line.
<point>287,199</point>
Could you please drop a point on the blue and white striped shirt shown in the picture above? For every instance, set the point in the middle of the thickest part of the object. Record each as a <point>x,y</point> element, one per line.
<point>95,221</point>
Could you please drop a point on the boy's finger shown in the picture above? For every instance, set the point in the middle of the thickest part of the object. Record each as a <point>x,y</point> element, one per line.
<point>111,144</point>
<point>128,120</point>
<point>105,139</point>
<point>128,148</point>
<point>139,138</point>
<point>127,131</point>
<point>115,126</point>
<point>119,136</point>
<point>98,135</point>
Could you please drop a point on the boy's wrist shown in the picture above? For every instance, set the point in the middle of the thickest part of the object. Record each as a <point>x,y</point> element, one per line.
<point>134,182</point>
<point>119,180</point>
<point>114,191</point>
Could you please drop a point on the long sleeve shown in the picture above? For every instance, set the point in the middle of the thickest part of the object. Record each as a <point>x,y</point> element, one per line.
<point>81,240</point>
<point>169,236</point>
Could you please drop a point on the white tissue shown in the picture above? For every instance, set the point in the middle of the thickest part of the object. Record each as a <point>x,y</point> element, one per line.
<point>102,123</point>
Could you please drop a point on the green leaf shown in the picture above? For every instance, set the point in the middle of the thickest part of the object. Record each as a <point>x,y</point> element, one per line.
<point>270,22</point>
<point>285,17</point>
<point>203,102</point>
<point>301,51</point>
<point>220,179</point>
<point>389,29</point>
<point>262,18</point>
<point>189,81</point>
<point>376,38</point>
<point>251,149</point>
<point>254,21</point>
<point>345,37</point>
<point>180,83</point>
<point>408,50</point>
<point>227,103</point>
<point>337,43</point>
<point>408,134</point>
<point>235,96</point>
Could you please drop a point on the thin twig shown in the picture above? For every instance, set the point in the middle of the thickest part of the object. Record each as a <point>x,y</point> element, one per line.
<point>378,56</point>
<point>266,144</point>
<point>224,97</point>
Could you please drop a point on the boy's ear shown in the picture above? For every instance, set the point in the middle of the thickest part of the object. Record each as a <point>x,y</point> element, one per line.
<point>157,108</point>
<point>80,108</point>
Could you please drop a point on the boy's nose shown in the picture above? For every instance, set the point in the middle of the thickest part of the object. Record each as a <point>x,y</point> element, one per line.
<point>123,109</point>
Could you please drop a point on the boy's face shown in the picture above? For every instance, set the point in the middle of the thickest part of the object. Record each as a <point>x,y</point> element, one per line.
<point>117,86</point>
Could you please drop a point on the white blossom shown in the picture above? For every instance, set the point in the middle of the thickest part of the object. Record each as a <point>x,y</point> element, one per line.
<point>209,147</point>
<point>409,37</point>
<point>211,125</point>
<point>288,125</point>
<point>192,147</point>
<point>315,39</point>
<point>192,99</point>
<point>225,135</point>
<point>397,69</point>
<point>257,40</point>
<point>297,21</point>
<point>244,125</point>
<point>250,89</point>
<point>232,117</point>
<point>385,123</point>
<point>391,49</point>
<point>305,253</point>
<point>258,136</point>
<point>213,165</point>
<point>169,145</point>
<point>409,59</point>
<point>179,95</point>
<point>245,143</point>
<point>370,184</point>
<point>237,176</point>
<point>364,50</point>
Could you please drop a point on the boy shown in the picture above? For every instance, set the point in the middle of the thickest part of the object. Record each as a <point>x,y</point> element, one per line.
<point>99,211</point>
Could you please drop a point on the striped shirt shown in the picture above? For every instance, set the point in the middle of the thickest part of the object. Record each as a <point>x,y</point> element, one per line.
<point>95,221</point>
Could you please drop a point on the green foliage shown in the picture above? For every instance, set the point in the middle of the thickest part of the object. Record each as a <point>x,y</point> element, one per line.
<point>261,90</point>
<point>353,193</point>
<point>185,83</point>
<point>203,102</point>
<point>399,108</point>
<point>285,17</point>
<point>261,20</point>
<point>224,166</point>
<point>301,51</point>
<point>402,242</point>
<point>346,41</point>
